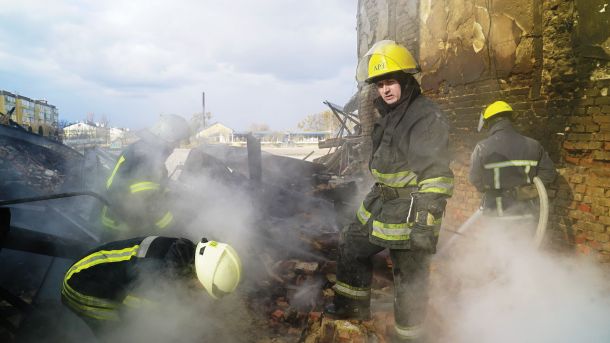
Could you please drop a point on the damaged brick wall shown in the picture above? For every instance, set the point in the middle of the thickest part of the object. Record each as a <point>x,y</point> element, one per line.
<point>549,60</point>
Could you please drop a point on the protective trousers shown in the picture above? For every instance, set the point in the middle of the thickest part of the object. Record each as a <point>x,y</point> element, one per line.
<point>410,269</point>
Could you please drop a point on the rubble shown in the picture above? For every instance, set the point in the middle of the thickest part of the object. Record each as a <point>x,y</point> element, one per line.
<point>27,166</point>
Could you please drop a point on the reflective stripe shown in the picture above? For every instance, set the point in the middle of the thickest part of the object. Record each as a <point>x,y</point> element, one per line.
<point>499,206</point>
<point>136,302</point>
<point>116,168</point>
<point>91,311</point>
<point>391,232</point>
<point>409,332</point>
<point>442,185</point>
<point>144,186</point>
<point>527,174</point>
<point>102,256</point>
<point>400,179</point>
<point>165,221</point>
<point>511,163</point>
<point>107,221</point>
<point>352,291</point>
<point>94,307</point>
<point>497,178</point>
<point>144,245</point>
<point>85,299</point>
<point>363,215</point>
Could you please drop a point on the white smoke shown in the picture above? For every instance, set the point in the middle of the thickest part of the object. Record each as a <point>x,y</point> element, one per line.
<point>497,287</point>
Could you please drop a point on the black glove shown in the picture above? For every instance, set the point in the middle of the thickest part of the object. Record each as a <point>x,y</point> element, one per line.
<point>180,258</point>
<point>428,207</point>
<point>423,238</point>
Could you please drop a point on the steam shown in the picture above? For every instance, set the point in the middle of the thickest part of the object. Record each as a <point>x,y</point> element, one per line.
<point>497,287</point>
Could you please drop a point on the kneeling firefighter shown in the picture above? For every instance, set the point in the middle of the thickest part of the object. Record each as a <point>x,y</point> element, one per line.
<point>403,210</point>
<point>505,165</point>
<point>101,286</point>
<point>137,187</point>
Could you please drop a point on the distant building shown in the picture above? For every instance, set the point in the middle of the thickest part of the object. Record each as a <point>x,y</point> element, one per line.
<point>36,116</point>
<point>283,137</point>
<point>216,133</point>
<point>86,135</point>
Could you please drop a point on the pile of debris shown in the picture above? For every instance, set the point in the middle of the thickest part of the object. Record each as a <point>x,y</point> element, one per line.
<point>28,165</point>
<point>297,285</point>
<point>346,153</point>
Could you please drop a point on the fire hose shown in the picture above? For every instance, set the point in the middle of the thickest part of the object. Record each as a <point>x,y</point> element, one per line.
<point>541,227</point>
<point>54,196</point>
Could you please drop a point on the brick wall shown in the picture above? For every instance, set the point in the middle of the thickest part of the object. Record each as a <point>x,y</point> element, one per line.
<point>549,60</point>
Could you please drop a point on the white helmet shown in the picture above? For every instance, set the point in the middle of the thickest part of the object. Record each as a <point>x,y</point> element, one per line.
<point>218,267</point>
<point>171,128</point>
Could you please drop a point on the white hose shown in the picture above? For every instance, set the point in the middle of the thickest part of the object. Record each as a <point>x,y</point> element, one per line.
<point>460,231</point>
<point>543,217</point>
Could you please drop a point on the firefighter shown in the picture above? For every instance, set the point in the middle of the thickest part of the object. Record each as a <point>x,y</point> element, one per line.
<point>109,281</point>
<point>137,187</point>
<point>403,210</point>
<point>504,164</point>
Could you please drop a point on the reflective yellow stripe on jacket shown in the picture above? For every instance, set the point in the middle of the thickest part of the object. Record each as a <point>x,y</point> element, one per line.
<point>526,164</point>
<point>116,168</point>
<point>441,185</point>
<point>391,232</point>
<point>144,186</point>
<point>399,179</point>
<point>363,215</point>
<point>94,307</point>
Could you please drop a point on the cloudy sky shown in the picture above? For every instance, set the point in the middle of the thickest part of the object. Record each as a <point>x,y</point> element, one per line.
<point>265,61</point>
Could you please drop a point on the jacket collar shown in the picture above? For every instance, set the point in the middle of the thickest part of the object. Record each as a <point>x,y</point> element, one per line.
<point>502,124</point>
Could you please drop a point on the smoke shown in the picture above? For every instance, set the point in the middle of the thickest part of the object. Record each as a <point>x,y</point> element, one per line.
<point>497,287</point>
<point>215,202</point>
<point>182,312</point>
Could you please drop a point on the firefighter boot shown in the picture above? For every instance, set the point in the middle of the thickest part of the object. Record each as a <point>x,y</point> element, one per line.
<point>345,308</point>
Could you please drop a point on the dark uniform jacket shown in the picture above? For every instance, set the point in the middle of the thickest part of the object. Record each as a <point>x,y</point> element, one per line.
<point>101,283</point>
<point>505,161</point>
<point>410,154</point>
<point>137,192</point>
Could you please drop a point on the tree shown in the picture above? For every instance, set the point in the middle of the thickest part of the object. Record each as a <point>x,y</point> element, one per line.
<point>256,127</point>
<point>323,121</point>
<point>199,121</point>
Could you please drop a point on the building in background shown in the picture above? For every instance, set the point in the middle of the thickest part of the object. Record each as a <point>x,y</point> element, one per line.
<point>83,135</point>
<point>35,116</point>
<point>216,133</point>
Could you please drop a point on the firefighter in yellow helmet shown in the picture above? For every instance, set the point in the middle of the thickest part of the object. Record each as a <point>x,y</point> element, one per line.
<point>504,164</point>
<point>403,210</point>
<point>108,281</point>
<point>137,186</point>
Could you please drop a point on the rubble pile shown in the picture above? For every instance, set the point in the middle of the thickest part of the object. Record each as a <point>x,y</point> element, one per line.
<point>296,284</point>
<point>29,165</point>
<point>347,157</point>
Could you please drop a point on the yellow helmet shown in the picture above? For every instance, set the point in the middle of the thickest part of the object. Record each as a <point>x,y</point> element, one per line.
<point>491,110</point>
<point>385,57</point>
<point>218,267</point>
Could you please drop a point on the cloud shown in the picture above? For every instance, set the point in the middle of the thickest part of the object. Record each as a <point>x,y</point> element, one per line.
<point>133,60</point>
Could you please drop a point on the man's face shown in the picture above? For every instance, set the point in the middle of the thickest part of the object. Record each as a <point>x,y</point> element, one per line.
<point>389,90</point>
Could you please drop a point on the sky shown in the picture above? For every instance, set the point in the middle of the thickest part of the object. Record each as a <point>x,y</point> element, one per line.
<point>259,62</point>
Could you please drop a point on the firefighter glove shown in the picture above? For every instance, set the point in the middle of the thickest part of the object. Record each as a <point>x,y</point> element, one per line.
<point>423,238</point>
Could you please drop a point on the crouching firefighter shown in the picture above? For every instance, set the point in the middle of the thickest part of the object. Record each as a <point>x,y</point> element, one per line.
<point>504,165</point>
<point>101,287</point>
<point>137,187</point>
<point>403,210</point>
